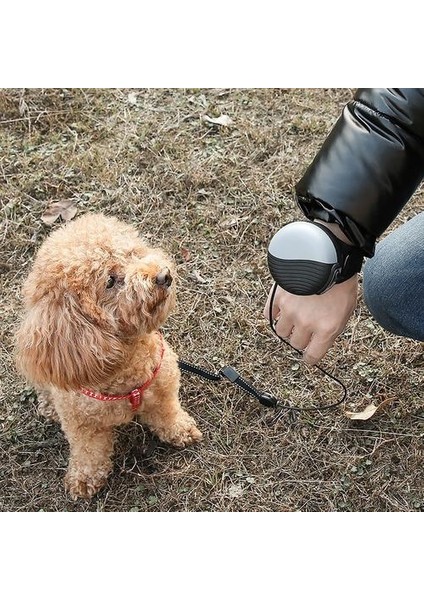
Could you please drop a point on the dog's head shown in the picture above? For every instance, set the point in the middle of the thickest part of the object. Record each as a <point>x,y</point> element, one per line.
<point>94,286</point>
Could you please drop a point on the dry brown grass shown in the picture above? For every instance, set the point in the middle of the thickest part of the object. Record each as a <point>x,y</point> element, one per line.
<point>212,197</point>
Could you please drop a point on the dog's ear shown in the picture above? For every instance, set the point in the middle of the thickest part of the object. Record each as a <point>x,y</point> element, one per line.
<point>56,344</point>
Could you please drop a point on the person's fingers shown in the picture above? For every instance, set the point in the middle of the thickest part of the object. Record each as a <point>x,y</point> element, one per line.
<point>284,326</point>
<point>317,349</point>
<point>275,307</point>
<point>300,338</point>
<point>312,323</point>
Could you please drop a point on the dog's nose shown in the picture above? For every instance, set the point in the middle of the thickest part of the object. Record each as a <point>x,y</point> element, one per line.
<point>164,278</point>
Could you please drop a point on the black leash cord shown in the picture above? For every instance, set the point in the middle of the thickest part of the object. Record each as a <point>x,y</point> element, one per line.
<point>326,373</point>
<point>231,374</point>
<point>264,398</point>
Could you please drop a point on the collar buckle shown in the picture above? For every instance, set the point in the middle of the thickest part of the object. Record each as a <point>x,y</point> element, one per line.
<point>135,398</point>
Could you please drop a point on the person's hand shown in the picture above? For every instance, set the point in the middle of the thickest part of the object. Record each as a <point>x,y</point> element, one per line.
<point>312,323</point>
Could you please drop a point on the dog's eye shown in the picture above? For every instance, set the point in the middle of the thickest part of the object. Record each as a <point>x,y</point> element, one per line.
<point>110,282</point>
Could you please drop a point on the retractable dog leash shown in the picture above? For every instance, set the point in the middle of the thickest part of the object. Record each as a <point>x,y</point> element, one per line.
<point>304,258</point>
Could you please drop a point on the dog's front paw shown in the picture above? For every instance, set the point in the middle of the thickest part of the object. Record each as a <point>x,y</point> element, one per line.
<point>84,484</point>
<point>182,432</point>
<point>45,406</point>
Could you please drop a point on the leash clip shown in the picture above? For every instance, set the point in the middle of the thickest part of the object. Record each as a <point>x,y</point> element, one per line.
<point>267,400</point>
<point>264,398</point>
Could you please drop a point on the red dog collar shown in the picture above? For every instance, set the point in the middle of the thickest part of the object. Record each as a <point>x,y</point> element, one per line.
<point>135,396</point>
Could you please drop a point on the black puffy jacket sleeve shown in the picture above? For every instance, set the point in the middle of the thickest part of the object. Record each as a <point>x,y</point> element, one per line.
<point>370,164</point>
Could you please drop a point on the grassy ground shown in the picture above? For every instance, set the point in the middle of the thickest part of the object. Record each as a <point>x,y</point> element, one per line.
<point>212,197</point>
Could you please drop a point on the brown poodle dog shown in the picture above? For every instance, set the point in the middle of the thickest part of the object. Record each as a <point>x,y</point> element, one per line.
<point>89,341</point>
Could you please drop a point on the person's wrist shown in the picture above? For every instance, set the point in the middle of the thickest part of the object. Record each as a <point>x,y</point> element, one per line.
<point>348,286</point>
<point>336,230</point>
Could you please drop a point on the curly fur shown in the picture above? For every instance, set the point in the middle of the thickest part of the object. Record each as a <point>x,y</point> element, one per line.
<point>93,305</point>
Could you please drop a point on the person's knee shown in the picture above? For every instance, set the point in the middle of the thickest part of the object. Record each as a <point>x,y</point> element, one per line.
<point>394,280</point>
<point>386,294</point>
<point>375,288</point>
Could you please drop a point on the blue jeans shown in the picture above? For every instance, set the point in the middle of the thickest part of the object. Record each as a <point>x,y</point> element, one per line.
<point>394,280</point>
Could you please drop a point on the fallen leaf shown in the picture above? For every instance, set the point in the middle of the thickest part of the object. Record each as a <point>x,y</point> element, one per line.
<point>235,490</point>
<point>199,278</point>
<point>369,411</point>
<point>224,120</point>
<point>23,106</point>
<point>64,208</point>
<point>132,98</point>
<point>202,100</point>
<point>231,221</point>
<point>186,254</point>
